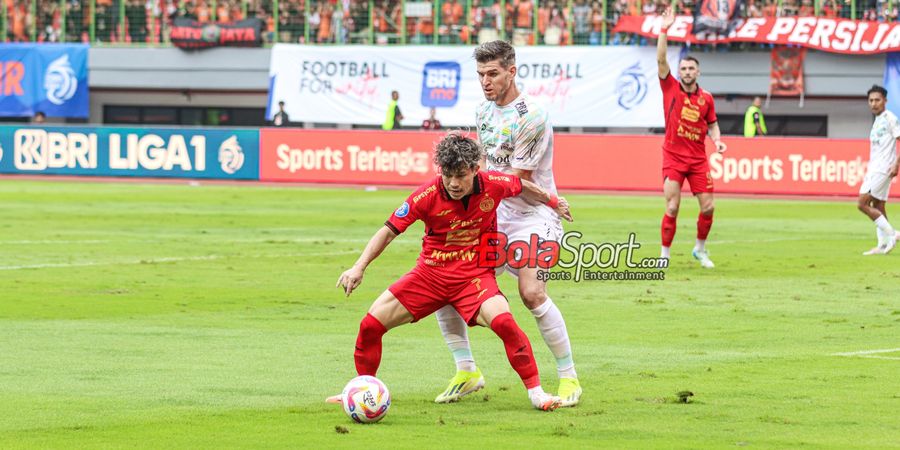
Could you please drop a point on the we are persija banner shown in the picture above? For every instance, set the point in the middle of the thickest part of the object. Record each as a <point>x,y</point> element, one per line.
<point>780,166</point>
<point>821,33</point>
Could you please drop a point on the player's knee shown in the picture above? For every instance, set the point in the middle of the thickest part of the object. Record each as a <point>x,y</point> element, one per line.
<point>533,296</point>
<point>862,206</point>
<point>707,210</point>
<point>672,210</point>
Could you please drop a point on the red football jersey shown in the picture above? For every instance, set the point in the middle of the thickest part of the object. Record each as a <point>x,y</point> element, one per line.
<point>688,116</point>
<point>453,228</point>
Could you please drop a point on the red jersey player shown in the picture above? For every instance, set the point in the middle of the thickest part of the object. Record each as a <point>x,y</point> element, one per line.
<point>690,115</point>
<point>458,207</point>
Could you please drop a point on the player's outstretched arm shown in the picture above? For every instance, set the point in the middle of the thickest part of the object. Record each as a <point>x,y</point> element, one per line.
<point>534,193</point>
<point>352,277</point>
<point>716,135</point>
<point>661,45</point>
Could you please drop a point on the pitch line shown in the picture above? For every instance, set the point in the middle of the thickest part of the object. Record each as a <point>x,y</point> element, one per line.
<point>164,260</point>
<point>872,354</point>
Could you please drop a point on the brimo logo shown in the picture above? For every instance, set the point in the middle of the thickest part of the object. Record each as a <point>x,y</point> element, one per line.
<point>496,250</point>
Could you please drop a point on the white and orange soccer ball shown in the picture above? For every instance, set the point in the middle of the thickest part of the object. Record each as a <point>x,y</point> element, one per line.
<point>366,399</point>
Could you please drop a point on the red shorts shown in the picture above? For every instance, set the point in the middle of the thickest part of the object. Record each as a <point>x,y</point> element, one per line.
<point>422,292</point>
<point>696,173</point>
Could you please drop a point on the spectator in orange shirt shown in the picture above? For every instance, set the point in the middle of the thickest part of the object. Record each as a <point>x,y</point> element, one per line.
<point>325,13</point>
<point>524,13</point>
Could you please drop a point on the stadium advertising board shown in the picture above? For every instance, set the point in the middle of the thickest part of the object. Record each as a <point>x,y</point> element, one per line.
<point>607,162</point>
<point>365,157</point>
<point>821,33</point>
<point>156,152</point>
<point>47,78</point>
<point>581,86</point>
<point>191,35</point>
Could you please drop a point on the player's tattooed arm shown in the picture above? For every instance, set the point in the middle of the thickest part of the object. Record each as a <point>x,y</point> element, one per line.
<point>662,45</point>
<point>352,277</point>
<point>534,193</point>
<point>716,136</point>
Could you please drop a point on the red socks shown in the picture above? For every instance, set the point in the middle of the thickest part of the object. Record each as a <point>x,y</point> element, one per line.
<point>704,223</point>
<point>667,230</point>
<point>518,349</point>
<point>368,346</point>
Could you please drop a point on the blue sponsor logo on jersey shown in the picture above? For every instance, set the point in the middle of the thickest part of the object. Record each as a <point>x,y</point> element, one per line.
<point>403,210</point>
<point>631,86</point>
<point>440,84</point>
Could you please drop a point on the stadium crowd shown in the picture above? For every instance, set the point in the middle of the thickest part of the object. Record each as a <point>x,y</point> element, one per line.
<point>524,22</point>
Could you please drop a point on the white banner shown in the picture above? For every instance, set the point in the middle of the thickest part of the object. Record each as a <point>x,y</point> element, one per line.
<point>581,86</point>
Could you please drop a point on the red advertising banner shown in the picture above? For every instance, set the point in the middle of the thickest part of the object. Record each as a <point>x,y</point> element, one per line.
<point>786,76</point>
<point>821,33</point>
<point>781,166</point>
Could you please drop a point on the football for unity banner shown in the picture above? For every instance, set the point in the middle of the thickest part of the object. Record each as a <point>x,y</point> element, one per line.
<point>47,78</point>
<point>821,33</point>
<point>580,86</point>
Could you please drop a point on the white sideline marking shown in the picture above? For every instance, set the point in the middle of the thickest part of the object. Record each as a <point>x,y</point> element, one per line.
<point>873,354</point>
<point>48,241</point>
<point>164,260</point>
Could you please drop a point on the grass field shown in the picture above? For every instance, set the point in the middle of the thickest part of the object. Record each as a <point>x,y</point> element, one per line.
<point>162,316</point>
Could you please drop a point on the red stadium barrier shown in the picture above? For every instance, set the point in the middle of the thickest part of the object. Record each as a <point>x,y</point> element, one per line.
<point>781,166</point>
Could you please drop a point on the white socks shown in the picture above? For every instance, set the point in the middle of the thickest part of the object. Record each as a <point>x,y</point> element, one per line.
<point>880,236</point>
<point>553,329</point>
<point>664,253</point>
<point>549,320</point>
<point>454,329</point>
<point>885,227</point>
<point>700,246</point>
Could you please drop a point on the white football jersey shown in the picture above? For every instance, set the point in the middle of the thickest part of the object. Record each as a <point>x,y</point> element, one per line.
<point>883,142</point>
<point>518,136</point>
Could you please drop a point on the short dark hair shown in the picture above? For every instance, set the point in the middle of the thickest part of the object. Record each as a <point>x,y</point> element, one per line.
<point>496,51</point>
<point>878,89</point>
<point>457,152</point>
<point>691,58</point>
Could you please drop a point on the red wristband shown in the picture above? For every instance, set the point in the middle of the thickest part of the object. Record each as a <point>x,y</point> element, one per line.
<point>554,201</point>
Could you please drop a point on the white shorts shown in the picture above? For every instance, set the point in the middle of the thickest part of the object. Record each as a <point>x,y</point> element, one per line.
<point>876,184</point>
<point>520,226</point>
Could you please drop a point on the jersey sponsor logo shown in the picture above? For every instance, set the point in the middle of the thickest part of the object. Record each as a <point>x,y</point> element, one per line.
<point>486,204</point>
<point>498,161</point>
<point>455,255</point>
<point>521,108</point>
<point>631,86</point>
<point>689,113</point>
<point>459,223</point>
<point>402,211</point>
<point>688,132</point>
<point>463,237</point>
<point>424,193</point>
<point>498,178</point>
<point>440,83</point>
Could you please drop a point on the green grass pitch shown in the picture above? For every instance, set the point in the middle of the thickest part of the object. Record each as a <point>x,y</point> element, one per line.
<point>172,316</point>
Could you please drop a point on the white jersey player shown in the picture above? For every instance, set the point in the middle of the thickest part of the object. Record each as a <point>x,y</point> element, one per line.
<point>883,166</point>
<point>517,138</point>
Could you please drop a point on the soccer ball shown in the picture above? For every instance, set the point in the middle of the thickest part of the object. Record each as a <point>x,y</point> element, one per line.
<point>366,399</point>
